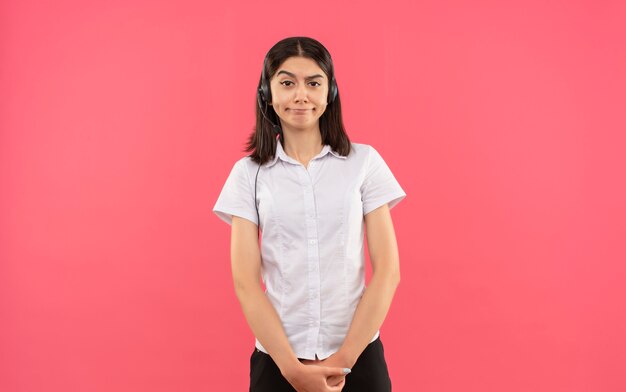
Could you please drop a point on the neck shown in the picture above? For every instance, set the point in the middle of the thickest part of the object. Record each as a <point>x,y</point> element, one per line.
<point>302,145</point>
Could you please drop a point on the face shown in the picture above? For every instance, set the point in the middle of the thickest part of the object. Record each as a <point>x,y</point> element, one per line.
<point>299,93</point>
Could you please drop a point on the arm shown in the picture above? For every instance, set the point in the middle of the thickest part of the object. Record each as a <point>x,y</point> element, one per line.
<point>261,315</point>
<point>376,300</point>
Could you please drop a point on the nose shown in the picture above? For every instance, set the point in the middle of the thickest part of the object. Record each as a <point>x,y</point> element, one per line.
<point>301,93</point>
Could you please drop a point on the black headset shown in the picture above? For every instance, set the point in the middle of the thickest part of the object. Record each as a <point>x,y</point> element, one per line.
<point>264,94</point>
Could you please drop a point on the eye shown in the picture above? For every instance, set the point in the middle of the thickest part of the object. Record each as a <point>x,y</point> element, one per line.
<point>290,83</point>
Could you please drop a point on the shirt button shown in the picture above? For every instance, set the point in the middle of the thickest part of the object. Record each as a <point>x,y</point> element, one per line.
<point>312,241</point>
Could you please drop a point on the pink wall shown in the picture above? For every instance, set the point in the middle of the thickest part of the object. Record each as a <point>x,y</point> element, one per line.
<point>503,121</point>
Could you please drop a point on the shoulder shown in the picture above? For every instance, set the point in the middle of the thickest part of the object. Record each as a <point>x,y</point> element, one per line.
<point>245,162</point>
<point>363,152</point>
<point>360,149</point>
<point>243,169</point>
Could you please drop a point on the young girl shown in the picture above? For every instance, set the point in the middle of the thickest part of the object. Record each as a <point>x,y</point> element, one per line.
<point>310,191</point>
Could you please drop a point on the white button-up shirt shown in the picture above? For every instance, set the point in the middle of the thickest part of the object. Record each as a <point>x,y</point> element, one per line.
<point>313,261</point>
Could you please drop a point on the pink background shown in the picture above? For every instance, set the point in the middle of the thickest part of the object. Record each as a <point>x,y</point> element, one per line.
<point>503,121</point>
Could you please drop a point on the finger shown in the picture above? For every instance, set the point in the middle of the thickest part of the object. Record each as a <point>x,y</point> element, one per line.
<point>334,381</point>
<point>337,371</point>
<point>335,389</point>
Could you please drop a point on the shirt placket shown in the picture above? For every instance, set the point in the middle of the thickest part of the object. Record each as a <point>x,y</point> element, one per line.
<point>313,264</point>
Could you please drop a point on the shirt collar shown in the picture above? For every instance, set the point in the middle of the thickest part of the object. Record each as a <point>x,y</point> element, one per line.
<point>280,153</point>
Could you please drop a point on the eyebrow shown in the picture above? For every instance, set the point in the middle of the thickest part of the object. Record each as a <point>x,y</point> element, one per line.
<point>293,75</point>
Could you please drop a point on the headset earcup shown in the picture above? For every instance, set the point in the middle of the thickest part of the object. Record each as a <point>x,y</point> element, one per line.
<point>265,93</point>
<point>332,91</point>
<point>264,90</point>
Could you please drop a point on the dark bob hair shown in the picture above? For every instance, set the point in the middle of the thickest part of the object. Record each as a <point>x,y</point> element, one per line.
<point>262,141</point>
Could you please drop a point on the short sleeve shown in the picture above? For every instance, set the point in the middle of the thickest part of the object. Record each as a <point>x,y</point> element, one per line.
<point>379,186</point>
<point>237,196</point>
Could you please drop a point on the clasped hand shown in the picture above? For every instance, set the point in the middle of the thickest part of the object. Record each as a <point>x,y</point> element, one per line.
<point>320,375</point>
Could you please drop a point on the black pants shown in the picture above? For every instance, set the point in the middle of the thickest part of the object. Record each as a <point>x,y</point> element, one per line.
<point>369,373</point>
